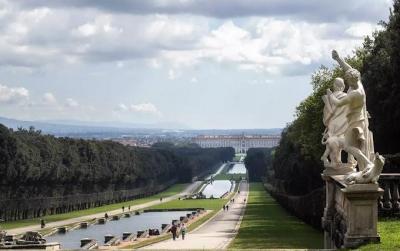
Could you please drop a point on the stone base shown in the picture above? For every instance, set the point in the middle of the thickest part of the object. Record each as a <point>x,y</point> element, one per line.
<point>351,213</point>
<point>356,241</point>
<point>339,169</point>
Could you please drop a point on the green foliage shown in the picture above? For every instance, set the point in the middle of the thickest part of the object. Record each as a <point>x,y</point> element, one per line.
<point>30,159</point>
<point>257,161</point>
<point>381,78</point>
<point>266,225</point>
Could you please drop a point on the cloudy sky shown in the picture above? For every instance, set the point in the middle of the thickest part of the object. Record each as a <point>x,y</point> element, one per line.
<point>199,63</point>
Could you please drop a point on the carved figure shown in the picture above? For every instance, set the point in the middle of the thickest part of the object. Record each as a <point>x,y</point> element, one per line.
<point>346,121</point>
<point>368,175</point>
<point>336,124</point>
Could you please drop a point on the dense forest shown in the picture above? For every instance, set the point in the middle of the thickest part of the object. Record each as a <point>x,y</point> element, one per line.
<point>33,165</point>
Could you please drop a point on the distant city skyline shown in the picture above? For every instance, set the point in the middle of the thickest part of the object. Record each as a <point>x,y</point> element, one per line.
<point>202,64</point>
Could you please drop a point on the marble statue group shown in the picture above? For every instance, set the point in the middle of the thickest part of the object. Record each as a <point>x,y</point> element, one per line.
<point>346,121</point>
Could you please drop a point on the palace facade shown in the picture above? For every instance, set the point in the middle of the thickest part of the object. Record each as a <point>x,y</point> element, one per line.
<point>241,143</point>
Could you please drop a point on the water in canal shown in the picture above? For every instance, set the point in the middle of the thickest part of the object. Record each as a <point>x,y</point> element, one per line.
<point>238,168</point>
<point>217,188</point>
<point>145,221</point>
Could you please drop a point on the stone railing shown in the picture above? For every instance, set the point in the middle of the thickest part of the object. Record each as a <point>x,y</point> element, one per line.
<point>389,202</point>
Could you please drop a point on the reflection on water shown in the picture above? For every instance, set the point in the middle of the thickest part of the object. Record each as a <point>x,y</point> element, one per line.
<point>217,188</point>
<point>238,168</point>
<point>145,221</point>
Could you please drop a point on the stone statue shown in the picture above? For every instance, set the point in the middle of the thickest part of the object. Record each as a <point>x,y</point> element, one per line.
<point>346,121</point>
<point>336,124</point>
<point>368,175</point>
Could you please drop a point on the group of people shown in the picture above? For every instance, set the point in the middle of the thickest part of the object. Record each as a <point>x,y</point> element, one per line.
<point>176,229</point>
<point>123,208</point>
<point>226,207</point>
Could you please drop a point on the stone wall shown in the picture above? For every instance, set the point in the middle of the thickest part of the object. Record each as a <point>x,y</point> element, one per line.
<point>25,208</point>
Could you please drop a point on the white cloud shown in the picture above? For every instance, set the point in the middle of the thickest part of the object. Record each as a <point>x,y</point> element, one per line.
<point>87,30</point>
<point>122,107</point>
<point>171,74</point>
<point>145,108</point>
<point>193,80</point>
<point>267,45</point>
<point>12,95</point>
<point>141,108</point>
<point>49,98</point>
<point>71,103</point>
<point>102,24</point>
<point>272,44</point>
<point>360,30</point>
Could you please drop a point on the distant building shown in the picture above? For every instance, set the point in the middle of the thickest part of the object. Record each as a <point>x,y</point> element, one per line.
<point>241,143</point>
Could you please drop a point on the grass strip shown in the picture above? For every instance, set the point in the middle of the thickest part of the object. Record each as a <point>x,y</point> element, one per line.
<point>267,225</point>
<point>389,230</point>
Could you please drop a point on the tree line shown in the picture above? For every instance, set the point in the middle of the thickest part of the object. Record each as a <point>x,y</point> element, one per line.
<point>30,159</point>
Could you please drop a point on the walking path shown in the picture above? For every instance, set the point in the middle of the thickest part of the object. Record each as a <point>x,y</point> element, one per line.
<point>217,233</point>
<point>188,190</point>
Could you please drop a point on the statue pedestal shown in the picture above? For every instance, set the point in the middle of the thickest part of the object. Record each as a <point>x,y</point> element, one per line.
<point>351,213</point>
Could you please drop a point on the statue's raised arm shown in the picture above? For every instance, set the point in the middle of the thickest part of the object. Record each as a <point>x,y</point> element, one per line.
<point>345,66</point>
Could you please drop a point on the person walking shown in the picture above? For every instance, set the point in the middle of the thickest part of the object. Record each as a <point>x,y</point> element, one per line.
<point>183,231</point>
<point>173,231</point>
<point>227,207</point>
<point>123,208</point>
<point>223,207</point>
<point>42,223</point>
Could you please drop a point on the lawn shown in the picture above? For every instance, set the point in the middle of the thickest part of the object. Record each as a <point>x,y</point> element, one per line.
<point>267,225</point>
<point>389,230</point>
<point>211,204</point>
<point>177,188</point>
<point>230,176</point>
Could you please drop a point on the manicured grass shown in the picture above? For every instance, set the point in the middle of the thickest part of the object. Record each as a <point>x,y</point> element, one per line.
<point>177,188</point>
<point>210,204</point>
<point>230,176</point>
<point>389,230</point>
<point>267,225</point>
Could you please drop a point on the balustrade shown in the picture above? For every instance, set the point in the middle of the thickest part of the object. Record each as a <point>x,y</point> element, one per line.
<point>389,202</point>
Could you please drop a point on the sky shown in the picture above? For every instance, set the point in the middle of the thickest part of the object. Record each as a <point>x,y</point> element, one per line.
<point>223,64</point>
